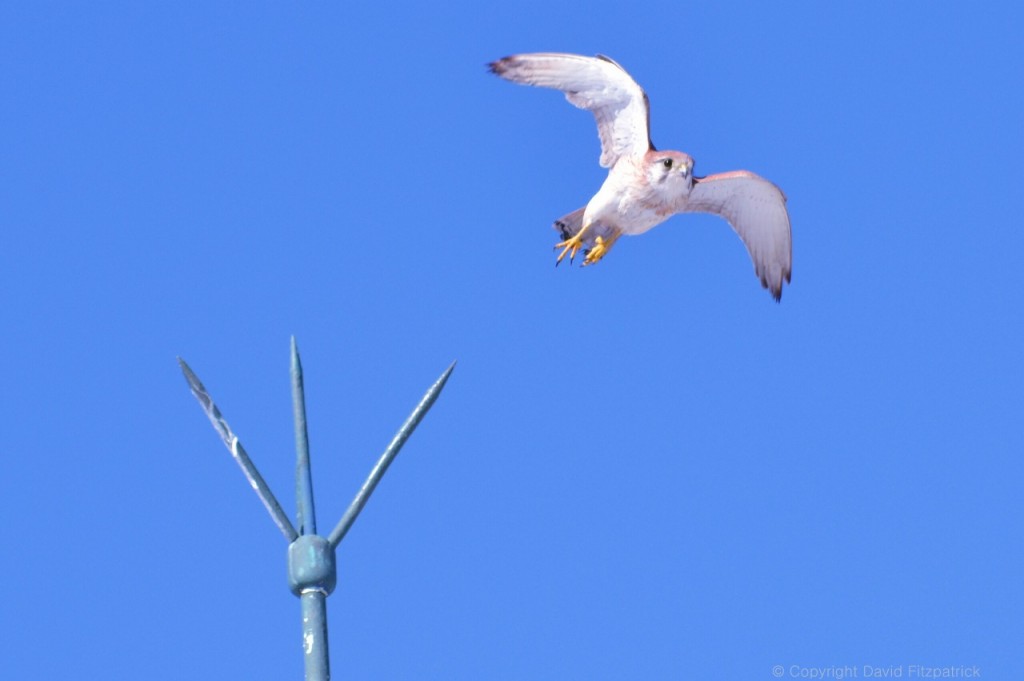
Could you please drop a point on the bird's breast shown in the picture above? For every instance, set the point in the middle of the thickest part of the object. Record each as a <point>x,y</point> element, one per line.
<point>643,208</point>
<point>628,202</point>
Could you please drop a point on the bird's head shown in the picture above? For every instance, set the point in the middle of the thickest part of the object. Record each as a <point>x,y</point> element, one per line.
<point>669,173</point>
<point>669,169</point>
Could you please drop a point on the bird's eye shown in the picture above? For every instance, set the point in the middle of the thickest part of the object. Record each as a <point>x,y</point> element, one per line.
<point>667,163</point>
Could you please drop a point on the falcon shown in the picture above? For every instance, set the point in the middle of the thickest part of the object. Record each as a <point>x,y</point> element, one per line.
<point>645,186</point>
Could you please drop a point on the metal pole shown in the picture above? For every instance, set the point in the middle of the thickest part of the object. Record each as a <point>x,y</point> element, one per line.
<point>312,576</point>
<point>312,573</point>
<point>314,636</point>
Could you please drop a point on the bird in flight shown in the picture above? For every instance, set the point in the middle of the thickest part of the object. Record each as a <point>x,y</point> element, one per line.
<point>645,186</point>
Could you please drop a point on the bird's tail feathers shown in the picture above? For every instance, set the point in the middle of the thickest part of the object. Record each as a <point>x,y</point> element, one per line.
<point>568,225</point>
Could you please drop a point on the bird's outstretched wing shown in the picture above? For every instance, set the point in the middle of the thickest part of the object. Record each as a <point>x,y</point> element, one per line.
<point>756,209</point>
<point>596,84</point>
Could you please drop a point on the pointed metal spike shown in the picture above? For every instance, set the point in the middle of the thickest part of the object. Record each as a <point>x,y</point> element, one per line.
<point>239,454</point>
<point>306,514</point>
<point>206,402</point>
<point>387,457</point>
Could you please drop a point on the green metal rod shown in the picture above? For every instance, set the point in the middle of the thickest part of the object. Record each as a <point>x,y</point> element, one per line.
<point>387,457</point>
<point>306,517</point>
<point>239,454</point>
<point>314,636</point>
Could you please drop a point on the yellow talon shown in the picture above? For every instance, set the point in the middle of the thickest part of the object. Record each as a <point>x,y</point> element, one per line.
<point>600,249</point>
<point>572,245</point>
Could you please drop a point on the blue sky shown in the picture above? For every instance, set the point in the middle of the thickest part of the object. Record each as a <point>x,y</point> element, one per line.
<point>644,469</point>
